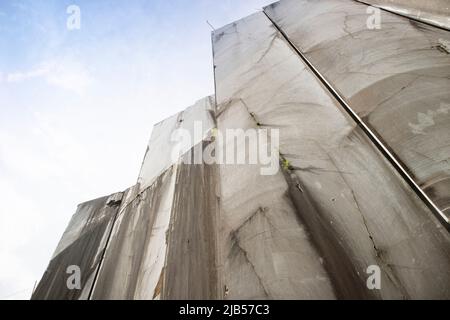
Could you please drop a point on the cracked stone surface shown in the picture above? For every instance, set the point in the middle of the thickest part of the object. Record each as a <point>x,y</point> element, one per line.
<point>135,256</point>
<point>436,12</point>
<point>191,266</point>
<point>396,78</point>
<point>358,209</point>
<point>82,245</point>
<point>265,250</point>
<point>158,156</point>
<point>335,207</point>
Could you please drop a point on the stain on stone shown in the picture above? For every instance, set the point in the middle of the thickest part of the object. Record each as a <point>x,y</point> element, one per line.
<point>190,266</point>
<point>159,285</point>
<point>443,46</point>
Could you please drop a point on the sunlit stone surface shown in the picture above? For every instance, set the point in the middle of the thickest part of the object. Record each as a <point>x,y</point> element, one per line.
<point>397,78</point>
<point>334,207</point>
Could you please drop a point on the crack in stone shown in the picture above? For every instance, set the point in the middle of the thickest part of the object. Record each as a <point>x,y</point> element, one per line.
<point>387,267</point>
<point>224,107</point>
<point>345,28</point>
<point>235,241</point>
<point>378,252</point>
<point>395,93</point>
<point>274,36</point>
<point>252,114</point>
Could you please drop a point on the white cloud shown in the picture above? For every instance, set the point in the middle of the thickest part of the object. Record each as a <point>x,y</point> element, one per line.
<point>42,171</point>
<point>70,76</point>
<point>65,74</point>
<point>23,76</point>
<point>16,276</point>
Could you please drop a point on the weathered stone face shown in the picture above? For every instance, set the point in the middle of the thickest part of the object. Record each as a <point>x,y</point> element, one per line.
<point>396,78</point>
<point>337,209</point>
<point>82,245</point>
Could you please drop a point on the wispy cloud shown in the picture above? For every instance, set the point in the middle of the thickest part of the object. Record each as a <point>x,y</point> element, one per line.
<point>23,76</point>
<point>64,74</point>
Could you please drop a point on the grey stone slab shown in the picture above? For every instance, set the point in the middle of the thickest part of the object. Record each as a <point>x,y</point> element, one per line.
<point>158,156</point>
<point>82,245</point>
<point>336,205</point>
<point>87,214</point>
<point>135,257</point>
<point>264,249</point>
<point>357,209</point>
<point>396,78</point>
<point>191,267</point>
<point>436,12</point>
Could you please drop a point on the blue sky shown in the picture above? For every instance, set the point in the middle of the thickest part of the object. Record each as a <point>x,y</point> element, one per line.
<point>77,107</point>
